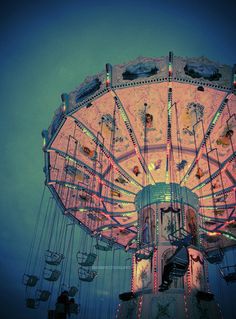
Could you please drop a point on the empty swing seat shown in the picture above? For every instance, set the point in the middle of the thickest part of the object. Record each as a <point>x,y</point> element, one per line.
<point>72,291</point>
<point>85,259</point>
<point>179,262</point>
<point>43,295</point>
<point>32,303</point>
<point>53,258</point>
<point>180,237</point>
<point>215,256</point>
<point>30,280</point>
<point>126,296</point>
<point>204,295</point>
<point>175,267</point>
<point>230,277</point>
<point>51,275</point>
<point>103,247</point>
<point>86,275</point>
<point>229,273</point>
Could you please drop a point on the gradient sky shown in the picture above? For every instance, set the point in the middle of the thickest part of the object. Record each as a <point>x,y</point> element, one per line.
<point>49,47</point>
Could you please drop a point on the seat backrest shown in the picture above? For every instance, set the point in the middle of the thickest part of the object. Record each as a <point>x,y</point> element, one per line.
<point>103,247</point>
<point>53,258</point>
<point>89,260</point>
<point>228,273</point>
<point>215,256</point>
<point>44,295</point>
<point>31,303</point>
<point>180,256</point>
<point>88,278</point>
<point>30,280</point>
<point>53,276</point>
<point>72,291</point>
<point>86,275</point>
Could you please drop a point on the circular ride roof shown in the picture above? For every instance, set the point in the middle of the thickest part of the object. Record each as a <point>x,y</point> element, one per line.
<point>110,138</point>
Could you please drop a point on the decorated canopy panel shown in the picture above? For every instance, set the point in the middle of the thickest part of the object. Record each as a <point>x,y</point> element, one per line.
<point>146,122</point>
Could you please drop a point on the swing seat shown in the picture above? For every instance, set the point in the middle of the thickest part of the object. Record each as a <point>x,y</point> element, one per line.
<point>86,275</point>
<point>126,296</point>
<point>231,277</point>
<point>215,256</point>
<point>30,280</point>
<point>85,259</point>
<point>51,275</point>
<point>43,295</point>
<point>72,291</point>
<point>229,273</point>
<point>180,257</point>
<point>205,296</point>
<point>53,258</point>
<point>32,303</point>
<point>175,267</point>
<point>103,247</point>
<point>180,237</point>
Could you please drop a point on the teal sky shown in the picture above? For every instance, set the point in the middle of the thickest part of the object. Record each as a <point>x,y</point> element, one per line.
<point>49,47</point>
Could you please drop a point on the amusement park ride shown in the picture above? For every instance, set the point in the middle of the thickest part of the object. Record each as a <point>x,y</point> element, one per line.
<point>142,158</point>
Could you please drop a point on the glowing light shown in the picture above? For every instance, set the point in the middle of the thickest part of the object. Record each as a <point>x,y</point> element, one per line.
<point>70,186</point>
<point>200,186</point>
<point>167,197</point>
<point>167,178</point>
<point>230,222</point>
<point>227,235</point>
<point>70,159</point>
<point>127,214</point>
<point>151,166</point>
<point>207,218</point>
<point>216,118</point>
<point>212,234</point>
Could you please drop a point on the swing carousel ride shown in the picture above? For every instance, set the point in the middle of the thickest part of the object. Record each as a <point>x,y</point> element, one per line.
<point>142,158</point>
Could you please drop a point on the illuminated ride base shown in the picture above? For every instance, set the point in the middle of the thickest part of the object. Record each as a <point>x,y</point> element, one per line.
<point>142,157</point>
<point>168,271</point>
